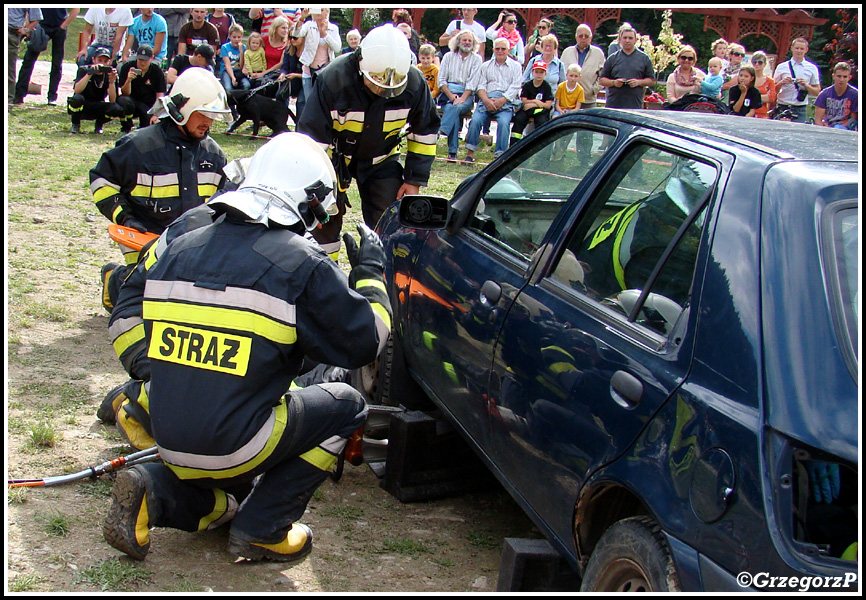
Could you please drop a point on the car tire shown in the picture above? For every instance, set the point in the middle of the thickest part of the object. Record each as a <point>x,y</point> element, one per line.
<point>395,386</point>
<point>631,556</point>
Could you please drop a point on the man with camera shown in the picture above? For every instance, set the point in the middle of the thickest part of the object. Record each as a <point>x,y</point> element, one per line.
<point>93,84</point>
<point>141,83</point>
<point>795,80</point>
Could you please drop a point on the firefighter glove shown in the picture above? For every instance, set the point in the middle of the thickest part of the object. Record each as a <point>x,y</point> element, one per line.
<point>369,253</point>
<point>131,222</point>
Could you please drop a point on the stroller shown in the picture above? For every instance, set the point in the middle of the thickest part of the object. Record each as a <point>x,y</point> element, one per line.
<point>699,103</point>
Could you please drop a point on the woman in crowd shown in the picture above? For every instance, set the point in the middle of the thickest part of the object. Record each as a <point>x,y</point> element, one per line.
<point>766,85</point>
<point>506,27</point>
<point>686,78</point>
<point>533,44</point>
<point>275,43</point>
<point>744,98</point>
<point>555,69</point>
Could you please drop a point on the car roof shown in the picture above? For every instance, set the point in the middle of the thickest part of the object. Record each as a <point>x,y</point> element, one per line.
<point>782,139</point>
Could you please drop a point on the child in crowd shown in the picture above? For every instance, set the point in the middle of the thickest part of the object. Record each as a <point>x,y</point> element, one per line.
<point>353,39</point>
<point>232,57</point>
<point>569,94</point>
<point>255,63</point>
<point>711,85</point>
<point>426,54</point>
<point>744,98</point>
<point>537,97</point>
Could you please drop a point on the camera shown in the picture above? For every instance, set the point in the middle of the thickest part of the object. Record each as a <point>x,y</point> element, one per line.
<point>801,93</point>
<point>137,71</point>
<point>103,69</point>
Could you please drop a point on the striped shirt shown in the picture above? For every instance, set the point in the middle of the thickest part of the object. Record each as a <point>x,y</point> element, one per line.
<point>457,68</point>
<point>494,77</point>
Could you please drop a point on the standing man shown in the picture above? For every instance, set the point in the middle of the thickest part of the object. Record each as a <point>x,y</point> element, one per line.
<point>175,18</point>
<point>20,22</point>
<point>155,174</point>
<point>796,79</point>
<point>456,98</point>
<point>141,83</point>
<point>147,28</point>
<point>198,31</point>
<point>357,109</point>
<point>497,84</point>
<point>836,105</point>
<point>55,22</point>
<point>626,73</point>
<point>467,22</point>
<point>253,297</point>
<point>591,60</point>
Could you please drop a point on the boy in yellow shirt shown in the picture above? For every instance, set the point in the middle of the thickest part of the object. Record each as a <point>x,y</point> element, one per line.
<point>426,54</point>
<point>569,94</point>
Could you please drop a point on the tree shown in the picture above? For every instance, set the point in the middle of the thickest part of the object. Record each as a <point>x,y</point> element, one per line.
<point>663,53</point>
<point>843,45</point>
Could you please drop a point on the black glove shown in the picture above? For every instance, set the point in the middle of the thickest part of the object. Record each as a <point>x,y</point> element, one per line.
<point>370,253</point>
<point>132,223</point>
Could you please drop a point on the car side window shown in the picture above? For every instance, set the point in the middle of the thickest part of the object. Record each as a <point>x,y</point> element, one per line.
<point>641,230</point>
<point>517,209</point>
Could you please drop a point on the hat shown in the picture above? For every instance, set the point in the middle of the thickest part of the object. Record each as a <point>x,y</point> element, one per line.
<point>539,64</point>
<point>144,52</point>
<point>205,50</point>
<point>102,52</point>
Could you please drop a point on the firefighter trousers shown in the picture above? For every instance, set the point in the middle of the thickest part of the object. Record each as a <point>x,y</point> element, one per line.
<point>320,420</point>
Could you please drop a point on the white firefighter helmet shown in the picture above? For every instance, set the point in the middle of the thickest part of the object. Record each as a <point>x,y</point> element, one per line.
<point>385,58</point>
<point>289,180</point>
<point>196,89</point>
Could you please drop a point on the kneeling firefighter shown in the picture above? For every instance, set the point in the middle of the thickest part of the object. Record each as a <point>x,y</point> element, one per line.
<point>230,309</point>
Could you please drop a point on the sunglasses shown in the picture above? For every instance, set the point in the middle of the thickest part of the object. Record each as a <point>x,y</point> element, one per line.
<point>758,62</point>
<point>737,54</point>
<point>687,57</point>
<point>511,22</point>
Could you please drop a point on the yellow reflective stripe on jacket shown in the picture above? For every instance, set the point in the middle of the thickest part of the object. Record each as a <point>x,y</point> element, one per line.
<point>196,466</point>
<point>382,313</point>
<point>208,183</point>
<point>101,189</point>
<point>617,243</point>
<point>156,186</point>
<point>220,318</point>
<point>117,211</point>
<point>124,341</point>
<point>351,121</point>
<point>374,283</point>
<point>421,147</point>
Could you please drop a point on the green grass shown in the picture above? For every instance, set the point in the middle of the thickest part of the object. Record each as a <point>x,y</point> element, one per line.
<point>42,435</point>
<point>55,523</point>
<point>24,583</point>
<point>405,547</point>
<point>481,539</point>
<point>114,575</point>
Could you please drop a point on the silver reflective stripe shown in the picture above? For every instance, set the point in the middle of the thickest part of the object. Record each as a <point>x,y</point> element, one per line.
<point>213,178</point>
<point>397,114</point>
<point>424,139</point>
<point>383,330</point>
<point>122,326</point>
<point>157,180</point>
<point>231,297</point>
<point>333,445</point>
<point>242,455</point>
<point>100,182</point>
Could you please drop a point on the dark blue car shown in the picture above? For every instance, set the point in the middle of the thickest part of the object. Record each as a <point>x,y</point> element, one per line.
<point>646,324</point>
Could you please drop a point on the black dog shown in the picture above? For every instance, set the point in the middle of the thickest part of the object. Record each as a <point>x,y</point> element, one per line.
<point>258,109</point>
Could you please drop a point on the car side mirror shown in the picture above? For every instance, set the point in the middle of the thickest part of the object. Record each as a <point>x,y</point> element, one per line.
<point>424,212</point>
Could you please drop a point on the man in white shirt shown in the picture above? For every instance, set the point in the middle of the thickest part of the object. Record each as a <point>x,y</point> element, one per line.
<point>456,71</point>
<point>796,79</point>
<point>468,22</point>
<point>497,84</point>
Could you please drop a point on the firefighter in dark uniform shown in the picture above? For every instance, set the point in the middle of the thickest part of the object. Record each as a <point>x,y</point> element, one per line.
<point>157,173</point>
<point>230,310</point>
<point>357,110</point>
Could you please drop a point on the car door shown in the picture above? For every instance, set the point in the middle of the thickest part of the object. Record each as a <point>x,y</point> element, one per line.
<point>598,339</point>
<point>464,282</point>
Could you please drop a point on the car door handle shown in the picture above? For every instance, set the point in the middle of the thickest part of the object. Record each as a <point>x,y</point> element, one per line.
<point>490,294</point>
<point>626,389</point>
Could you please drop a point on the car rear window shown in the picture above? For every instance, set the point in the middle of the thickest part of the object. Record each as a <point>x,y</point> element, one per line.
<point>844,277</point>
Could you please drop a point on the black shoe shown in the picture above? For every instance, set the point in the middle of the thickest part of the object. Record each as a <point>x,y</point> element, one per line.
<point>127,526</point>
<point>297,545</point>
<point>107,411</point>
<point>97,128</point>
<point>76,128</point>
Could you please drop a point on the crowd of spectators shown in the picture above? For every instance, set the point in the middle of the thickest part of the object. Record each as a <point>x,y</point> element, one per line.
<point>289,47</point>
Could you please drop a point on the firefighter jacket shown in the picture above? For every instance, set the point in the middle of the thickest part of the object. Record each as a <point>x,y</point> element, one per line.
<point>156,174</point>
<point>230,310</point>
<point>364,129</point>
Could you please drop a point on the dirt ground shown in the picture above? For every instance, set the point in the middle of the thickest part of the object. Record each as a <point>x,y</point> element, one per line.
<point>60,364</point>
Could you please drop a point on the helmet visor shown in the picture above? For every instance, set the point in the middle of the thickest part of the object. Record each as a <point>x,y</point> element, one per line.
<point>217,116</point>
<point>389,78</point>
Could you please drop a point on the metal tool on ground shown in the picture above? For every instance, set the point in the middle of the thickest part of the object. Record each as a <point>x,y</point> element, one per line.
<point>109,466</point>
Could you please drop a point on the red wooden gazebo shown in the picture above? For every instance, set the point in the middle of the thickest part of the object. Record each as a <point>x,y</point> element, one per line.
<point>733,24</point>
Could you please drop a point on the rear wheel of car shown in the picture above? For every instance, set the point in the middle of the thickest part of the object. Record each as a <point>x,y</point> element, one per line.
<point>395,386</point>
<point>631,556</point>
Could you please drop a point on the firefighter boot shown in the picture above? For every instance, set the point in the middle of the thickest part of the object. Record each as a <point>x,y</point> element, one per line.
<point>297,545</point>
<point>127,526</point>
<point>104,276</point>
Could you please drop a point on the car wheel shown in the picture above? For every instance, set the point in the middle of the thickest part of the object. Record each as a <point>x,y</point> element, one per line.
<point>395,386</point>
<point>631,556</point>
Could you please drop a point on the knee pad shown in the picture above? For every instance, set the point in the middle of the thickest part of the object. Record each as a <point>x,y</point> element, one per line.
<point>116,110</point>
<point>75,103</point>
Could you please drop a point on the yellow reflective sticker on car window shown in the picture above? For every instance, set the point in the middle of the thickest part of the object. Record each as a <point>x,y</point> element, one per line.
<point>200,348</point>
